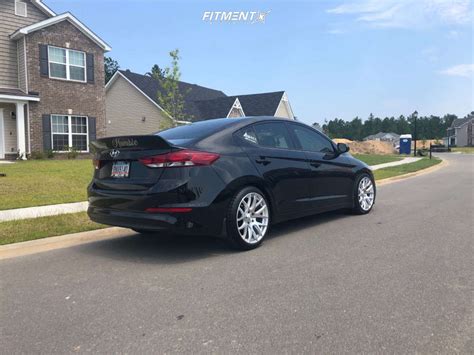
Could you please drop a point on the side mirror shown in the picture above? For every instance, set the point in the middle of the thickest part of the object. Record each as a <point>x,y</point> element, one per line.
<point>342,148</point>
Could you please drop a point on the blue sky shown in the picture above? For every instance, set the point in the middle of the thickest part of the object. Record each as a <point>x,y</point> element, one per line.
<point>333,58</point>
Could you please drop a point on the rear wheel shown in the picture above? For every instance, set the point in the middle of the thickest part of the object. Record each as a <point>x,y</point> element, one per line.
<point>248,219</point>
<point>364,194</point>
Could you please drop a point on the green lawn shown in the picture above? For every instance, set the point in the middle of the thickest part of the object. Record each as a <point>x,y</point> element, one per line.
<point>44,182</point>
<point>30,229</point>
<point>465,150</point>
<point>372,159</point>
<point>405,168</point>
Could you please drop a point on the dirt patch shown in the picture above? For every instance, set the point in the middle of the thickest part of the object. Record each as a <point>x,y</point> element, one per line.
<point>367,147</point>
<point>342,140</point>
<point>425,144</point>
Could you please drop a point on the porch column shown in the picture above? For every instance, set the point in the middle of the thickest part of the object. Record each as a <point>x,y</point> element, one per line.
<point>20,129</point>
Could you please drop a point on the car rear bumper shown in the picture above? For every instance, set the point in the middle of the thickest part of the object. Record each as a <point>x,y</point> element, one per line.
<point>195,222</point>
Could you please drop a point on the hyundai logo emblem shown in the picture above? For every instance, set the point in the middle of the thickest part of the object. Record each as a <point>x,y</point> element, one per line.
<point>114,153</point>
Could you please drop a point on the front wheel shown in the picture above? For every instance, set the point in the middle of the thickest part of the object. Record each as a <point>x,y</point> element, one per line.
<point>364,194</point>
<point>248,219</point>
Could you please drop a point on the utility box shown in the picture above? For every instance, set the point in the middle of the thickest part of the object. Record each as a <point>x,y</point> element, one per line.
<point>405,144</point>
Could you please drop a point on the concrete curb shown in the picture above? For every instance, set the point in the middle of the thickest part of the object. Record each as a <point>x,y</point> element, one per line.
<point>43,211</point>
<point>64,241</point>
<point>387,181</point>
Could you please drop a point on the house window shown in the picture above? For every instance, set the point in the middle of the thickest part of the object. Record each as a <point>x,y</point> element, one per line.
<point>66,64</point>
<point>20,8</point>
<point>69,132</point>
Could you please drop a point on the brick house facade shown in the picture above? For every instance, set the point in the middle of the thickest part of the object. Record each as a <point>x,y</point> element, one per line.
<point>62,96</point>
<point>59,100</point>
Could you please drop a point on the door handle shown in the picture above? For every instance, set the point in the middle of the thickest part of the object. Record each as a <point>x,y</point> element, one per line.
<point>315,164</point>
<point>262,161</point>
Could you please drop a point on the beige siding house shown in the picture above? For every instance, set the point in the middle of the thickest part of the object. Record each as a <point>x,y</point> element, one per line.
<point>14,15</point>
<point>132,107</point>
<point>124,99</point>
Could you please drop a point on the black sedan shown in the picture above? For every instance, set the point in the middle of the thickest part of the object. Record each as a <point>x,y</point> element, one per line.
<point>230,177</point>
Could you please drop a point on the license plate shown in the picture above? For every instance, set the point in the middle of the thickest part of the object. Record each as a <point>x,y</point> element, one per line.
<point>120,169</point>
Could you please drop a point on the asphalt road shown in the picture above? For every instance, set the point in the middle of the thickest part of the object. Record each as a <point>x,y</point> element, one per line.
<point>399,280</point>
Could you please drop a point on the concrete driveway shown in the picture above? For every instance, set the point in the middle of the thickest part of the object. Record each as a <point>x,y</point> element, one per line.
<point>395,281</point>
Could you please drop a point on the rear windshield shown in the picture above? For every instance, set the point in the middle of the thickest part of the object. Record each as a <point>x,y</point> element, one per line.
<point>187,134</point>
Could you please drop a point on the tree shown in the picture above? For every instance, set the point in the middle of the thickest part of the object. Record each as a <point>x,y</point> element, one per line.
<point>169,96</point>
<point>156,72</point>
<point>428,127</point>
<point>110,67</point>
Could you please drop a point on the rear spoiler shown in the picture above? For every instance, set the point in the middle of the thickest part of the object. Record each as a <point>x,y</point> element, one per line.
<point>130,143</point>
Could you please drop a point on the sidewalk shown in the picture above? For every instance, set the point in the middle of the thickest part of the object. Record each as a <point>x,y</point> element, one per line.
<point>52,210</point>
<point>42,211</point>
<point>394,163</point>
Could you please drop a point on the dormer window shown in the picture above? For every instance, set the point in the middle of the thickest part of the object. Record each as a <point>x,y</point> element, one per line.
<point>20,8</point>
<point>66,64</point>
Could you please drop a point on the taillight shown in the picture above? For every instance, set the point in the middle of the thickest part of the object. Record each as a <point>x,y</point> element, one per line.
<point>179,159</point>
<point>96,164</point>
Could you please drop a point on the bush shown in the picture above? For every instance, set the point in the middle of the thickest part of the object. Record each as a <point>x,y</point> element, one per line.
<point>49,154</point>
<point>37,155</point>
<point>19,156</point>
<point>72,153</point>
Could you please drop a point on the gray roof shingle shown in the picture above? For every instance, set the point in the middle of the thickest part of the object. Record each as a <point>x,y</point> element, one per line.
<point>191,92</point>
<point>203,103</point>
<point>460,121</point>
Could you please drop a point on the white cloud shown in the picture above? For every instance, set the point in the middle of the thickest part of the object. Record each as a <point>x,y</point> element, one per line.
<point>407,13</point>
<point>464,70</point>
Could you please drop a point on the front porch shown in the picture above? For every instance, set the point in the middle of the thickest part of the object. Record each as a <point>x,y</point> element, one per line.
<point>14,123</point>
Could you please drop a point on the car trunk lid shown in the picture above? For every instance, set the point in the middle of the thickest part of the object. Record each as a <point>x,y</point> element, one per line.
<point>117,165</point>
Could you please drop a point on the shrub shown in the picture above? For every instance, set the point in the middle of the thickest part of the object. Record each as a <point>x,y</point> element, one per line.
<point>72,153</point>
<point>49,154</point>
<point>19,156</point>
<point>37,155</point>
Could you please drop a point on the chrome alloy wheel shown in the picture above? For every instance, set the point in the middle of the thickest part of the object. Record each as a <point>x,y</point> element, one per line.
<point>252,218</point>
<point>366,193</point>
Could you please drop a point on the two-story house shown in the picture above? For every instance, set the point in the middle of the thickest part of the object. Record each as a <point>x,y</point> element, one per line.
<point>461,132</point>
<point>52,94</point>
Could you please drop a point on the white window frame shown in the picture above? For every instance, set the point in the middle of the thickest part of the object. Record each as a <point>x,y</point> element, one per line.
<point>68,65</point>
<point>26,9</point>
<point>69,133</point>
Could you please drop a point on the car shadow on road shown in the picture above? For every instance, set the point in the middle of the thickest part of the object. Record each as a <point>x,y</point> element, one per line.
<point>175,249</point>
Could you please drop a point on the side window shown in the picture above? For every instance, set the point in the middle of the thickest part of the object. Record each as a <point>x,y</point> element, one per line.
<point>272,135</point>
<point>311,141</point>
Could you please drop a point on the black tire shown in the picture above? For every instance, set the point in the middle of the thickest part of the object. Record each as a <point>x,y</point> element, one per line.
<point>233,235</point>
<point>357,209</point>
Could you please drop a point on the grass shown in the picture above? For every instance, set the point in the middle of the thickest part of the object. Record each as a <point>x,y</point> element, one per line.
<point>465,150</point>
<point>42,227</point>
<point>44,182</point>
<point>373,159</point>
<point>405,168</point>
